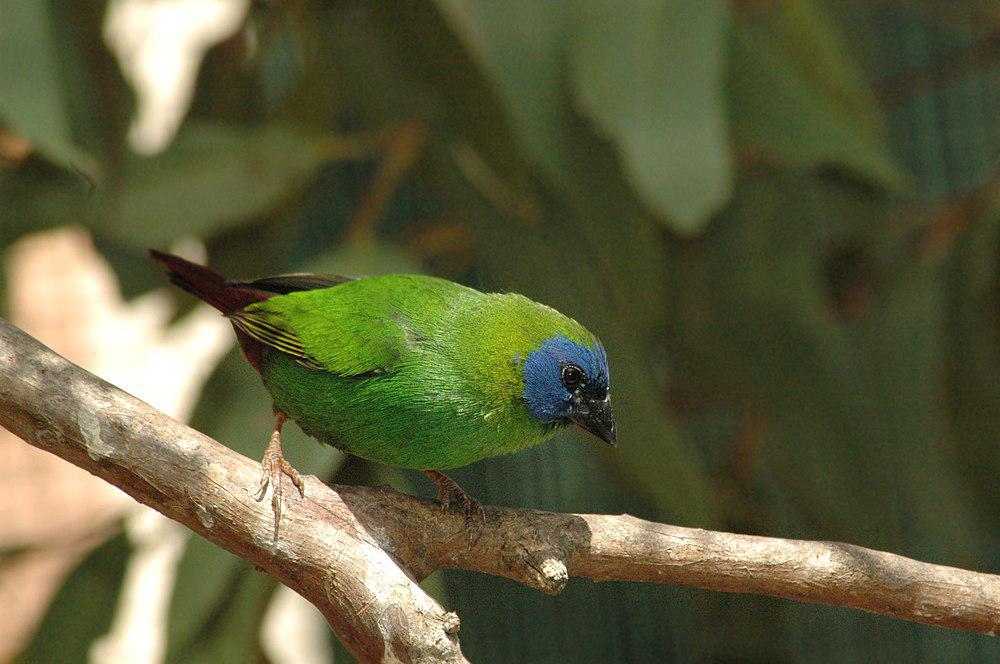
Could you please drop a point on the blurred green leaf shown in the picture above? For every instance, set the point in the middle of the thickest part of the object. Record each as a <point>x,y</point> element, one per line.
<point>83,608</point>
<point>754,326</point>
<point>472,109</point>
<point>973,354</point>
<point>796,96</point>
<point>851,444</point>
<point>234,633</point>
<point>32,99</point>
<point>38,197</point>
<point>365,259</point>
<point>530,50</point>
<point>853,412</point>
<point>226,609</point>
<point>213,177</point>
<point>206,578</point>
<point>217,607</point>
<point>135,272</point>
<point>521,45</point>
<point>651,76</point>
<point>906,421</point>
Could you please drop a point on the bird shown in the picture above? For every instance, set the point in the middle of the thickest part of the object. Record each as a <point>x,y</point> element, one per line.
<point>411,371</point>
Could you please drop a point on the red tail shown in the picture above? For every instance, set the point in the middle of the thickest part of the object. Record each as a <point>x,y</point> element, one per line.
<point>206,284</point>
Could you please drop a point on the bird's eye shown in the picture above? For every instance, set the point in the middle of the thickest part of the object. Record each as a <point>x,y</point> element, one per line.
<point>573,376</point>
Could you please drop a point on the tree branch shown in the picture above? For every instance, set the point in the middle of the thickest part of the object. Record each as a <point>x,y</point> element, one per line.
<point>356,552</point>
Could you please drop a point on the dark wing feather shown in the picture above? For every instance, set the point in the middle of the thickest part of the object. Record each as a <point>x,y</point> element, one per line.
<point>283,284</point>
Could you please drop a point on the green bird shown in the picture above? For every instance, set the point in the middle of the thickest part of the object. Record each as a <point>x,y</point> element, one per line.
<point>408,370</point>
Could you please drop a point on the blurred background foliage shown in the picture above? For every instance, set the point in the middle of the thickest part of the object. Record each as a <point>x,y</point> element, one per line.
<point>780,216</point>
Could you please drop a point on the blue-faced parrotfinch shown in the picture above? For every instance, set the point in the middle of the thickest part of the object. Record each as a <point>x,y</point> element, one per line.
<point>407,370</point>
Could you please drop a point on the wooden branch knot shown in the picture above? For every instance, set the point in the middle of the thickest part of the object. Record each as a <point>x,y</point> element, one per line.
<point>535,547</point>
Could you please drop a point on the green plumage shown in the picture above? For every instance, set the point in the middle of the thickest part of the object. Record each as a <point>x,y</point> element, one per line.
<point>410,371</point>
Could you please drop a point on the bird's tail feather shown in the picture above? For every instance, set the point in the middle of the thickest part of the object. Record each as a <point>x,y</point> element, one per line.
<point>206,284</point>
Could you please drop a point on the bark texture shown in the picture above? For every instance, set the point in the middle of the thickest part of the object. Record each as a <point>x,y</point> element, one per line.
<point>356,552</point>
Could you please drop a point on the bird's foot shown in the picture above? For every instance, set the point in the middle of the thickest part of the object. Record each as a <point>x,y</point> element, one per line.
<point>448,489</point>
<point>272,467</point>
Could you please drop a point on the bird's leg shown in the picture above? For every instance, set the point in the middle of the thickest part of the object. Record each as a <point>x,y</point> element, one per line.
<point>447,487</point>
<point>475,517</point>
<point>272,467</point>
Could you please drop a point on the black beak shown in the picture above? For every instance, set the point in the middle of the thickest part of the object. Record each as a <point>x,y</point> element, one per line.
<point>597,418</point>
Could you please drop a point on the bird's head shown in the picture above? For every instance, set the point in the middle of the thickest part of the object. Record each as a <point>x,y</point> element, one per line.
<point>566,382</point>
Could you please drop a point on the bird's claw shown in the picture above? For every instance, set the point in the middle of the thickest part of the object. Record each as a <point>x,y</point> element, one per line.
<point>273,466</point>
<point>475,516</point>
<point>475,520</point>
<point>444,499</point>
<point>472,510</point>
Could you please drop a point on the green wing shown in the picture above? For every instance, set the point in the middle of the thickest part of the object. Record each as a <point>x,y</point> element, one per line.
<point>357,328</point>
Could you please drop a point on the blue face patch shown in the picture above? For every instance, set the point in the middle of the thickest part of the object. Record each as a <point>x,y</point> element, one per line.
<point>547,398</point>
